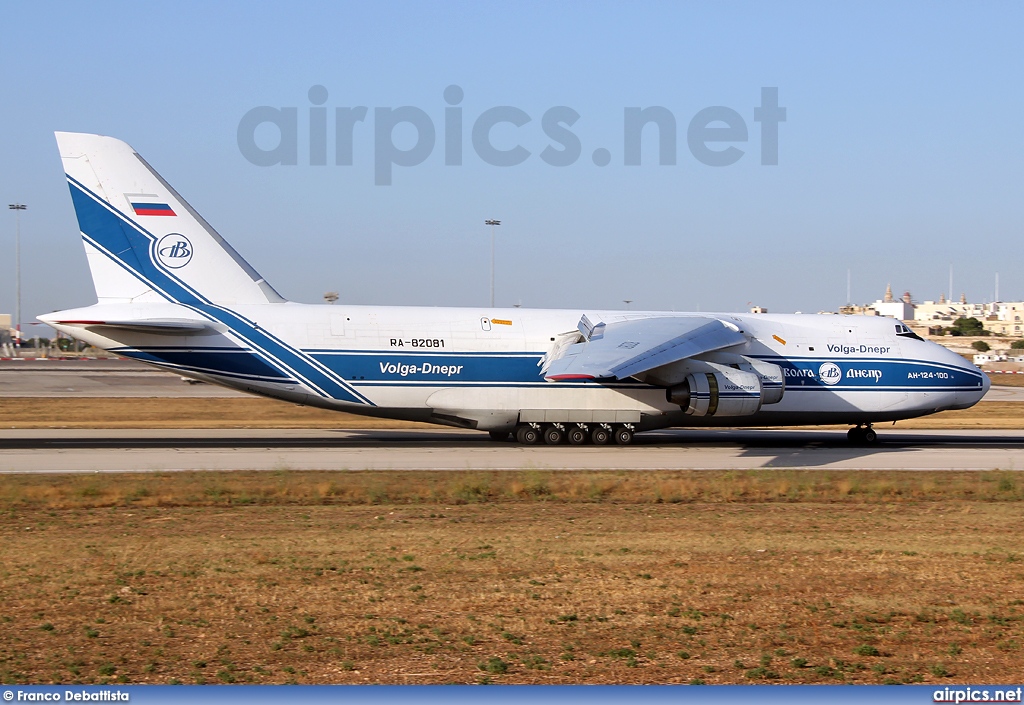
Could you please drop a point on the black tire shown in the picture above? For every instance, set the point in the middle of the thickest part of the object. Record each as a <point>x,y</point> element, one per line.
<point>623,436</point>
<point>577,436</point>
<point>553,435</point>
<point>527,435</point>
<point>600,436</point>
<point>499,436</point>
<point>869,435</point>
<point>854,434</point>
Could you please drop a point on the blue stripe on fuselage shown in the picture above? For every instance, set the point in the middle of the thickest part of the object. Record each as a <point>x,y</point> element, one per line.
<point>450,367</point>
<point>388,368</point>
<point>234,362</point>
<point>877,374</point>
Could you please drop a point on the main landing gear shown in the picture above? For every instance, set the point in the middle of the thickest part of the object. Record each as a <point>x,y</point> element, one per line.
<point>862,433</point>
<point>575,434</point>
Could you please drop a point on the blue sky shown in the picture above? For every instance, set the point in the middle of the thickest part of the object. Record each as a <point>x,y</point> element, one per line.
<point>901,153</point>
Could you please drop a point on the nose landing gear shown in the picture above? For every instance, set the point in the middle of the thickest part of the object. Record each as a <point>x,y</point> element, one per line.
<point>862,434</point>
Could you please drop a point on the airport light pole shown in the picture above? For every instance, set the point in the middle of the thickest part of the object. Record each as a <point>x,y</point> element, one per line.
<point>17,208</point>
<point>492,223</point>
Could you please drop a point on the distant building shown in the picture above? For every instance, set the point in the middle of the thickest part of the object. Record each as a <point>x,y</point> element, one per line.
<point>902,309</point>
<point>6,339</point>
<point>1002,318</point>
<point>949,311</point>
<point>1005,319</point>
<point>982,358</point>
<point>855,310</point>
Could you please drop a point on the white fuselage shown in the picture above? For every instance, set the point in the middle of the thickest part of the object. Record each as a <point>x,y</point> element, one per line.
<point>480,368</point>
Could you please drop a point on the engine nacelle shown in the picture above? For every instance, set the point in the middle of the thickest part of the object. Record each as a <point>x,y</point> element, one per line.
<point>730,389</point>
<point>727,392</point>
<point>721,384</point>
<point>773,381</point>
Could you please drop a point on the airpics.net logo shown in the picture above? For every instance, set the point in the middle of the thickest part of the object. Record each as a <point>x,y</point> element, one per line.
<point>715,135</point>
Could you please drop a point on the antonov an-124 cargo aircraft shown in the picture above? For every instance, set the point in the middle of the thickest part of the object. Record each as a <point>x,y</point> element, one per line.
<point>173,293</point>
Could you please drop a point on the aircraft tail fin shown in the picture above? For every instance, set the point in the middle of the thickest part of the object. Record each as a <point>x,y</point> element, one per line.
<point>142,240</point>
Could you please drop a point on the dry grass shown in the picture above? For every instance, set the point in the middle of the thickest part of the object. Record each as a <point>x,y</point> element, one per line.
<point>522,589</point>
<point>241,488</point>
<point>257,412</point>
<point>174,412</point>
<point>987,414</point>
<point>1007,380</point>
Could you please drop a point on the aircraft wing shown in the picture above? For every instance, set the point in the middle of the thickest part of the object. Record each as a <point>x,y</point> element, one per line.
<point>627,348</point>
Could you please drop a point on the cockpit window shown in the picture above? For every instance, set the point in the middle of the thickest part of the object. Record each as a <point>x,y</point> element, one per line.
<point>903,332</point>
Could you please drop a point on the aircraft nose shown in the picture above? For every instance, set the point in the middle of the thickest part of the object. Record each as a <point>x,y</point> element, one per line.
<point>970,397</point>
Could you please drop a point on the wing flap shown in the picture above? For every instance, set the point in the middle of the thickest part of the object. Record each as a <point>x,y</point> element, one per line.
<point>629,348</point>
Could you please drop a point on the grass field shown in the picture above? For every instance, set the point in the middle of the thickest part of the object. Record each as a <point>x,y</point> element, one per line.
<point>783,577</point>
<point>174,412</point>
<point>1007,380</point>
<point>257,412</point>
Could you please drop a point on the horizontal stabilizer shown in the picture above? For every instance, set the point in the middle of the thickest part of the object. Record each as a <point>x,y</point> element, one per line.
<point>159,326</point>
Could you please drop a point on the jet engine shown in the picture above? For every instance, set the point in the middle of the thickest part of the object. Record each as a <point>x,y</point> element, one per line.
<point>729,390</point>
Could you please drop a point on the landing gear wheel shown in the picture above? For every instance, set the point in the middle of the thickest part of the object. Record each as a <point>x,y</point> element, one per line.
<point>528,435</point>
<point>577,436</point>
<point>623,436</point>
<point>553,435</point>
<point>600,436</point>
<point>862,434</point>
<point>498,435</point>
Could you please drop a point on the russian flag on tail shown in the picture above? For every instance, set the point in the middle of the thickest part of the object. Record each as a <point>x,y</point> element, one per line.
<point>152,209</point>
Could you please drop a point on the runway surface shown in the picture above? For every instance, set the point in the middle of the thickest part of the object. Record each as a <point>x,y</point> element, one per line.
<point>996,393</point>
<point>77,451</point>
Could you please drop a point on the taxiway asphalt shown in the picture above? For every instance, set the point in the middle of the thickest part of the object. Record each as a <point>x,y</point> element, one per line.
<point>76,379</point>
<point>78,451</point>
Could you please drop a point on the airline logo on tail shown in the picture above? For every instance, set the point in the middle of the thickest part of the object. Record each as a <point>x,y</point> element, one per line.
<point>174,250</point>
